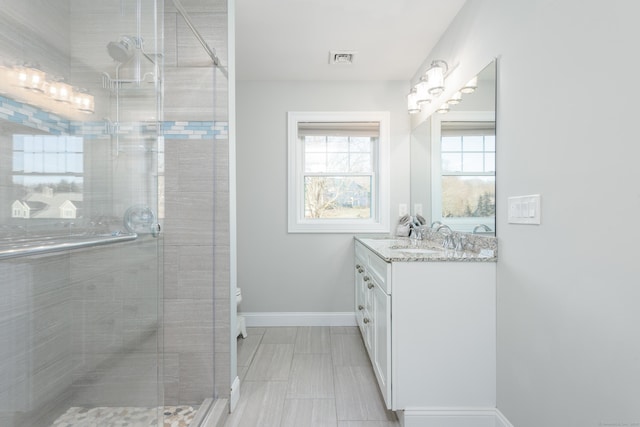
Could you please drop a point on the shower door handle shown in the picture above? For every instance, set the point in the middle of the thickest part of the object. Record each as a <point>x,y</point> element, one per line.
<point>155,230</point>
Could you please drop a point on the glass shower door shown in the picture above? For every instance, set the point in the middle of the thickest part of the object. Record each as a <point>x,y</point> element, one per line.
<point>80,245</point>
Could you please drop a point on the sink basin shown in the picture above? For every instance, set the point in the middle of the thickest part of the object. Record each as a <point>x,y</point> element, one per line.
<point>420,251</point>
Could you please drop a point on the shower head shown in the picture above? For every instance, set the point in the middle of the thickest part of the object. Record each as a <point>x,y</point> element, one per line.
<point>122,50</point>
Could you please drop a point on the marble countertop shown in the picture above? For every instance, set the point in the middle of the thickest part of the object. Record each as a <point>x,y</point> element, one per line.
<point>403,249</point>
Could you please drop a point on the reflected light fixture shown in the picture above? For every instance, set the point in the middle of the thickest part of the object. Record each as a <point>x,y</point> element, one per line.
<point>471,86</point>
<point>455,99</point>
<point>412,102</point>
<point>435,77</point>
<point>83,101</point>
<point>60,91</point>
<point>443,109</point>
<point>32,78</point>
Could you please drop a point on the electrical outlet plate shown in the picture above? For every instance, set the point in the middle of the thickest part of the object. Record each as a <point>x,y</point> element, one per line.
<point>524,209</point>
<point>402,209</point>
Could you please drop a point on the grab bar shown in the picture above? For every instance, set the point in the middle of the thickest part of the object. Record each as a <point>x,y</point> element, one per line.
<point>38,247</point>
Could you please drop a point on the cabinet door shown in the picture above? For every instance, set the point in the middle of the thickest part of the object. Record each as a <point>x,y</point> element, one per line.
<point>368,332</point>
<point>381,327</point>
<point>360,303</point>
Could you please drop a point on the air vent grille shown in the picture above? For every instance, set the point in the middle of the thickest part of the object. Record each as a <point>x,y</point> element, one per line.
<point>341,57</point>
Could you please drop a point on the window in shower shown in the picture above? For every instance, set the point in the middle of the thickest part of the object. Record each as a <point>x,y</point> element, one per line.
<point>47,176</point>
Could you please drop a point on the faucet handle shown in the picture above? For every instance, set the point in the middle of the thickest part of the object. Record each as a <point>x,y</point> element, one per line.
<point>448,242</point>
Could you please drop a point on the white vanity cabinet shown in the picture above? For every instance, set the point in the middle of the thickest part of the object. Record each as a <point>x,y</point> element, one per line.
<point>373,313</point>
<point>430,330</point>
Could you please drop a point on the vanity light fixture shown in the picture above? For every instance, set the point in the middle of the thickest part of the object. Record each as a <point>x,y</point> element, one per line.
<point>435,77</point>
<point>412,102</point>
<point>422,92</point>
<point>471,86</point>
<point>455,99</point>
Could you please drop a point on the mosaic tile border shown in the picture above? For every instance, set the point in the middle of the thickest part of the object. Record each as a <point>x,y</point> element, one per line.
<point>35,118</point>
<point>25,114</point>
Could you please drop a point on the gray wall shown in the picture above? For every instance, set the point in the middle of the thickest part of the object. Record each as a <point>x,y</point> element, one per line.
<point>281,272</point>
<point>568,348</point>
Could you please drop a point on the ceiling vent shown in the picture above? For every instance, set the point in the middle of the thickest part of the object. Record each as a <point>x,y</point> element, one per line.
<point>341,57</point>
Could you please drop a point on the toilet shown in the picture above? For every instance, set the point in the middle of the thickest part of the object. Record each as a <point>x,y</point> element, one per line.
<point>240,322</point>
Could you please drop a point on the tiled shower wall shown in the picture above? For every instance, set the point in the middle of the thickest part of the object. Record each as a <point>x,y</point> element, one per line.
<point>197,354</point>
<point>35,307</point>
<point>35,331</point>
<point>196,274</point>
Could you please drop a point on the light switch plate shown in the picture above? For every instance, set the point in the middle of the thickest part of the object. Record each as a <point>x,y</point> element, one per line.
<point>417,209</point>
<point>524,209</point>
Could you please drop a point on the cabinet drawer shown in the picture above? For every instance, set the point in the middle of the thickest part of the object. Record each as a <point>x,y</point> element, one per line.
<point>380,269</point>
<point>376,267</point>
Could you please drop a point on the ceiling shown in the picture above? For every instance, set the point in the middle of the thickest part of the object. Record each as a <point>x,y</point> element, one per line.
<point>291,39</point>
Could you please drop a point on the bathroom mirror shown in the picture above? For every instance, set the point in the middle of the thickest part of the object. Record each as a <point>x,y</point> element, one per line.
<point>453,161</point>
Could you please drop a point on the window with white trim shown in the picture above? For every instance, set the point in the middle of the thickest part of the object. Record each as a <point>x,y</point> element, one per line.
<point>338,172</point>
<point>464,170</point>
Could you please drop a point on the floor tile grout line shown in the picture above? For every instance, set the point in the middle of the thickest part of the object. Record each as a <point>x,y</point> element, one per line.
<point>333,373</point>
<point>284,400</point>
<point>253,356</point>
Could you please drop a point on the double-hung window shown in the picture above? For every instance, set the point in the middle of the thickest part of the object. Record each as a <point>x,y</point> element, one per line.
<point>464,171</point>
<point>338,172</point>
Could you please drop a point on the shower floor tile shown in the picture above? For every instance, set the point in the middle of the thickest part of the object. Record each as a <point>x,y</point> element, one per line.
<point>174,416</point>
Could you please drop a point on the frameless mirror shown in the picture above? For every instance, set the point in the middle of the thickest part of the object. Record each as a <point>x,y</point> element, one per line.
<point>453,160</point>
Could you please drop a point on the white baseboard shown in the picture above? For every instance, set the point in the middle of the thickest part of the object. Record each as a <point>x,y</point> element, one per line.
<point>501,420</point>
<point>449,417</point>
<point>263,319</point>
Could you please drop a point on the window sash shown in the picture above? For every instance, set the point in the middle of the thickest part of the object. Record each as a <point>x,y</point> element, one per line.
<point>379,222</point>
<point>464,123</point>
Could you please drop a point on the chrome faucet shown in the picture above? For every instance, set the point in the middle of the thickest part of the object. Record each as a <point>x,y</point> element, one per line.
<point>460,242</point>
<point>448,242</point>
<point>482,227</point>
<point>434,223</point>
<point>445,227</point>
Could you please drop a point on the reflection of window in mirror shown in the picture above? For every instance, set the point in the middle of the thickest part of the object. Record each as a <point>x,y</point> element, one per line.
<point>464,170</point>
<point>338,168</point>
<point>47,176</point>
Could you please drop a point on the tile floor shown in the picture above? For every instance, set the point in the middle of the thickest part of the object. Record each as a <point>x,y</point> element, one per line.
<point>307,377</point>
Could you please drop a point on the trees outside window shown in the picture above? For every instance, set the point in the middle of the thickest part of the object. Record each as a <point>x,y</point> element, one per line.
<point>338,172</point>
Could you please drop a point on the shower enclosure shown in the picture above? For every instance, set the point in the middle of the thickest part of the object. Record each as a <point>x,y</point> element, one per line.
<point>99,324</point>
